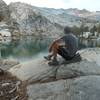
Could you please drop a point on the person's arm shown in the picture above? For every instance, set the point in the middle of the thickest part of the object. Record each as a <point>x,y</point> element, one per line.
<point>52,44</point>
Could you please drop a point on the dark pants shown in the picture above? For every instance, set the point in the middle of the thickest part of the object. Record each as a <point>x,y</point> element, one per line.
<point>64,53</point>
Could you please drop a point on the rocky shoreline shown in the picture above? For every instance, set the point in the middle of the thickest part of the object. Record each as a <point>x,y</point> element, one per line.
<point>74,81</point>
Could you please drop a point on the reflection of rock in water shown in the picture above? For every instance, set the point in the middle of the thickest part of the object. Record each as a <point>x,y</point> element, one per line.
<point>85,43</point>
<point>24,47</point>
<point>98,42</point>
<point>28,46</point>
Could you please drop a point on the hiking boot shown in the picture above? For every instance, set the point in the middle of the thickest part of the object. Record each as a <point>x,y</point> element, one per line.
<point>53,62</point>
<point>47,57</point>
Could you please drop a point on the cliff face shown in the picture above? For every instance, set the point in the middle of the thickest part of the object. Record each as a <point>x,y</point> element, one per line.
<point>4,18</point>
<point>4,11</point>
<point>20,17</point>
<point>59,16</point>
<point>32,23</point>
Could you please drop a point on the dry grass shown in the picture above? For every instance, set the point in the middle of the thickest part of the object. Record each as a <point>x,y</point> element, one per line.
<point>11,87</point>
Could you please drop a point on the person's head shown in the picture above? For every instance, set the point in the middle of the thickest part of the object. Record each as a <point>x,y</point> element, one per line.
<point>67,30</point>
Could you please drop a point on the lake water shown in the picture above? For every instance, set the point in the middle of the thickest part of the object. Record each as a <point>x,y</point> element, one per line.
<point>28,48</point>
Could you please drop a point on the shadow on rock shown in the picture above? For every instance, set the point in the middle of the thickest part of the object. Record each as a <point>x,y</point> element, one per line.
<point>77,58</point>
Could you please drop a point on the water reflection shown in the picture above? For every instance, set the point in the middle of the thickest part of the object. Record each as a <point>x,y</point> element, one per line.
<point>86,43</point>
<point>27,47</point>
<point>24,47</point>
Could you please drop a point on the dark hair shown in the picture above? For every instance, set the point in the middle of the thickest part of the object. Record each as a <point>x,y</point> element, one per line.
<point>67,30</point>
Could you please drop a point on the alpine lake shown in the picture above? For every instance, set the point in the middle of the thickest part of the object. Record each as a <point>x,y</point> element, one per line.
<point>28,47</point>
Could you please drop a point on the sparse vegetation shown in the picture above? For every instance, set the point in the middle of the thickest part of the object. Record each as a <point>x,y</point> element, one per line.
<point>12,88</point>
<point>95,30</point>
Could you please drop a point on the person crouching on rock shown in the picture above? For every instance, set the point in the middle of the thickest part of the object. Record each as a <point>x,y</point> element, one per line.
<point>66,47</point>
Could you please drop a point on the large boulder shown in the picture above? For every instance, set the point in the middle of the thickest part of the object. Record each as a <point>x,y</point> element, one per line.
<point>68,81</point>
<point>82,88</point>
<point>39,70</point>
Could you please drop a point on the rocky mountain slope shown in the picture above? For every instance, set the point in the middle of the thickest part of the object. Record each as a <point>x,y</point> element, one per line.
<point>77,12</point>
<point>70,17</point>
<point>84,13</point>
<point>32,23</point>
<point>59,16</point>
<point>21,19</point>
<point>4,11</point>
<point>30,20</point>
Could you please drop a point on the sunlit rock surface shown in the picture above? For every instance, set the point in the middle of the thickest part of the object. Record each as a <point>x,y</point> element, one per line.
<point>72,81</point>
<point>6,64</point>
<point>32,23</point>
<point>82,88</point>
<point>39,70</point>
